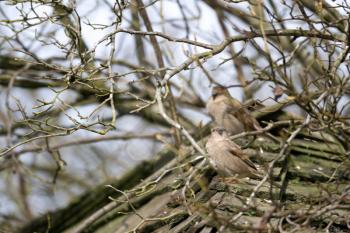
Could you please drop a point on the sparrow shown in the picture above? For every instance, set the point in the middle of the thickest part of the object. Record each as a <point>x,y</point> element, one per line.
<point>229,113</point>
<point>228,158</point>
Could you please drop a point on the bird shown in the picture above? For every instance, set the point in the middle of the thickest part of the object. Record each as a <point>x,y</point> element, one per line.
<point>229,113</point>
<point>227,158</point>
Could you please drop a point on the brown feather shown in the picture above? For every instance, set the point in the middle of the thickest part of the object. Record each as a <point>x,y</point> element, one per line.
<point>229,113</point>
<point>227,157</point>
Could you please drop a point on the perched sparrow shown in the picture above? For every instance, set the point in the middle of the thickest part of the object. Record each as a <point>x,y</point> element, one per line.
<point>227,157</point>
<point>229,113</point>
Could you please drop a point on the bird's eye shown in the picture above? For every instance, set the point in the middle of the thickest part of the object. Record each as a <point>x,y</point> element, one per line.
<point>214,95</point>
<point>220,131</point>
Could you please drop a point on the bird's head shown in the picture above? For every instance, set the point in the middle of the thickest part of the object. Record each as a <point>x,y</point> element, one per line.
<point>222,91</point>
<point>219,130</point>
<point>218,90</point>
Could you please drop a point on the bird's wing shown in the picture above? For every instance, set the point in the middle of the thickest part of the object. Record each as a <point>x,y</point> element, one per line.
<point>237,152</point>
<point>249,121</point>
<point>243,115</point>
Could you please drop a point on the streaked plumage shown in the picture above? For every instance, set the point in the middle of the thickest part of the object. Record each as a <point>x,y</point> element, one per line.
<point>227,157</point>
<point>228,112</point>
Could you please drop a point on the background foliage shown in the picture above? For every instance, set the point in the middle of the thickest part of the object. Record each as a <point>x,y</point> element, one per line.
<point>91,88</point>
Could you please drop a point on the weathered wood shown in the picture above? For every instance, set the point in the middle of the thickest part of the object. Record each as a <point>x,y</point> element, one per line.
<point>88,203</point>
<point>156,197</point>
